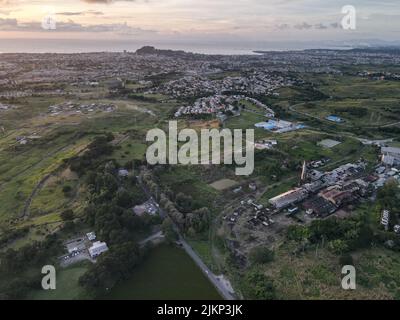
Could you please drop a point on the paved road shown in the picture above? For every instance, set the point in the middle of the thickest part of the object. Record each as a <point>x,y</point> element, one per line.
<point>207,272</point>
<point>155,236</point>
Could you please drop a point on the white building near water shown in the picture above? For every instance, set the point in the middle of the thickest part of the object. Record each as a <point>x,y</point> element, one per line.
<point>97,248</point>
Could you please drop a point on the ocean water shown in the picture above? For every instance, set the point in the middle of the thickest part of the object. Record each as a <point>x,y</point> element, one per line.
<point>101,45</point>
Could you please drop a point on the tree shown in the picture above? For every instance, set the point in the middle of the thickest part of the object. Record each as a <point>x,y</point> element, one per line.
<point>338,246</point>
<point>168,230</point>
<point>257,286</point>
<point>111,267</point>
<point>261,255</point>
<point>67,215</point>
<point>67,190</point>
<point>184,202</point>
<point>297,233</point>
<point>123,198</point>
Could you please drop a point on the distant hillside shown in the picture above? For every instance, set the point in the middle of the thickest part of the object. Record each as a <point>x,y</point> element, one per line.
<point>147,50</point>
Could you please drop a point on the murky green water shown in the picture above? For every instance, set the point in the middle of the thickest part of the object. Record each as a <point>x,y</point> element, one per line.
<point>166,273</point>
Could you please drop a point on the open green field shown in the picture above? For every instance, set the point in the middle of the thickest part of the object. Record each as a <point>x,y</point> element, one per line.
<point>166,273</point>
<point>32,176</point>
<point>247,120</point>
<point>67,286</point>
<point>318,275</point>
<point>359,101</point>
<point>358,112</point>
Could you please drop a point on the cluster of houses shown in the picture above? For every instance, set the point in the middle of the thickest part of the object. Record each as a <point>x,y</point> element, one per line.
<point>209,105</point>
<point>13,94</point>
<point>221,104</point>
<point>83,247</point>
<point>149,207</point>
<point>389,168</point>
<point>5,107</point>
<point>379,75</point>
<point>326,192</point>
<point>265,144</point>
<point>257,83</point>
<point>72,107</point>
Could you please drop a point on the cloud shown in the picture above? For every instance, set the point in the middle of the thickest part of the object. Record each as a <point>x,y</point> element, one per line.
<point>320,26</point>
<point>307,26</point>
<point>283,26</point>
<point>71,26</point>
<point>80,13</point>
<point>6,24</point>
<point>106,1</point>
<point>303,26</point>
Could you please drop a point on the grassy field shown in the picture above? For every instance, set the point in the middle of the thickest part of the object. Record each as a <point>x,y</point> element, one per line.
<point>24,168</point>
<point>378,100</point>
<point>247,120</point>
<point>67,286</point>
<point>318,274</point>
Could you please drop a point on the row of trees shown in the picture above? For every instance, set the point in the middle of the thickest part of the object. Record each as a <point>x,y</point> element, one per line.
<point>181,208</point>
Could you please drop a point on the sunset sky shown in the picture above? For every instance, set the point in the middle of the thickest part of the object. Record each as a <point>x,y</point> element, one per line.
<point>220,20</point>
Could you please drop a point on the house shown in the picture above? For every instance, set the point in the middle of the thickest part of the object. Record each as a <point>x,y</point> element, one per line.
<point>337,196</point>
<point>319,206</point>
<point>334,119</point>
<point>123,173</point>
<point>91,236</point>
<point>253,186</point>
<point>149,207</point>
<point>97,248</point>
<point>288,198</point>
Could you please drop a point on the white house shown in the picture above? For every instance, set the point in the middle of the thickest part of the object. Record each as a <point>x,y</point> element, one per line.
<point>97,248</point>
